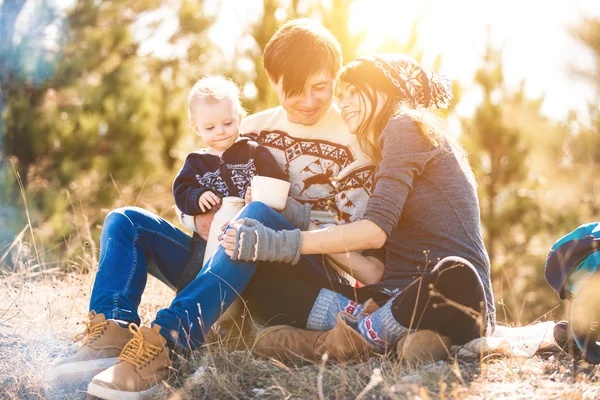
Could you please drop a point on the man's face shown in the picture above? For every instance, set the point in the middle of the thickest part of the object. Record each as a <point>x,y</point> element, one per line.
<point>309,106</point>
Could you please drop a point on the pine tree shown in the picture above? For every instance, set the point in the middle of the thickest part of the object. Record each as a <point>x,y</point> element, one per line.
<point>104,113</point>
<point>585,145</point>
<point>262,31</point>
<point>335,17</point>
<point>497,152</point>
<point>498,155</point>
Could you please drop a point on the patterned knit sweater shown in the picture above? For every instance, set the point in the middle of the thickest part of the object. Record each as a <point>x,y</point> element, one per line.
<point>227,175</point>
<point>325,165</point>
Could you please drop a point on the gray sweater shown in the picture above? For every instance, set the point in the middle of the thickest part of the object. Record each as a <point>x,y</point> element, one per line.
<point>426,202</point>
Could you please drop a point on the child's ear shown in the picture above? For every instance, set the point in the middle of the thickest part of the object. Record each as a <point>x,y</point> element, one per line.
<point>195,128</point>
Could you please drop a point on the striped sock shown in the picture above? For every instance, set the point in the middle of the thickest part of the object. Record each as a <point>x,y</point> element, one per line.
<point>328,305</point>
<point>381,328</point>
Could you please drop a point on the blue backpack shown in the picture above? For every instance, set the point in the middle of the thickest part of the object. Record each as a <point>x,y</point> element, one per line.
<point>572,264</point>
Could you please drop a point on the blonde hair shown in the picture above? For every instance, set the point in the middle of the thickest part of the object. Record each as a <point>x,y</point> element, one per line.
<point>216,88</point>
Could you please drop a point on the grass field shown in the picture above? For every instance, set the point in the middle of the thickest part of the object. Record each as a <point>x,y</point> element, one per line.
<point>40,314</point>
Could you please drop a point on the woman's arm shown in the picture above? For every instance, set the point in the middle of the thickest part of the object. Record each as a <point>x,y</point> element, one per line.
<point>359,235</point>
<point>339,241</point>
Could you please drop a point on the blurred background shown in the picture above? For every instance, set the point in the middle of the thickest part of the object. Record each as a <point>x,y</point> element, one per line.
<point>93,113</point>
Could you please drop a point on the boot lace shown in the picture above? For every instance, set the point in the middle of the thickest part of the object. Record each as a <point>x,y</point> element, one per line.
<point>91,332</point>
<point>138,351</point>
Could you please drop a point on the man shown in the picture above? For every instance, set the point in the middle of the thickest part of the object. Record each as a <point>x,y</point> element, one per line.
<point>306,133</point>
<point>308,139</point>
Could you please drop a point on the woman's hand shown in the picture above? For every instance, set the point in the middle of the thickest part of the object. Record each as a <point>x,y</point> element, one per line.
<point>228,237</point>
<point>248,195</point>
<point>249,240</point>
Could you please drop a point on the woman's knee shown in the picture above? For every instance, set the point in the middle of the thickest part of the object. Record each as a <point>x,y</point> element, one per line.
<point>459,271</point>
<point>453,262</point>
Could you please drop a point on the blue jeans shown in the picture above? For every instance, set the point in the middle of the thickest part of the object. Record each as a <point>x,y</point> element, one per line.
<point>132,238</point>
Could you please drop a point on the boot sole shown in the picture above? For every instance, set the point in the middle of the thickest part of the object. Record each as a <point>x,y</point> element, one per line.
<point>80,371</point>
<point>114,394</point>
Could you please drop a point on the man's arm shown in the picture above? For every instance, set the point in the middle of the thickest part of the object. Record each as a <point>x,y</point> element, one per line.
<point>365,269</point>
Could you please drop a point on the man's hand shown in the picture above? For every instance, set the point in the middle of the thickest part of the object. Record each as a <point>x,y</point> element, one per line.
<point>203,221</point>
<point>207,200</point>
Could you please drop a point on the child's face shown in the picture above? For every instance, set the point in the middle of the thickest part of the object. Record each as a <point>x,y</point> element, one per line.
<point>216,122</point>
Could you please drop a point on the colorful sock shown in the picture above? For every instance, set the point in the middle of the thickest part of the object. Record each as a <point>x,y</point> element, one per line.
<point>328,305</point>
<point>381,328</point>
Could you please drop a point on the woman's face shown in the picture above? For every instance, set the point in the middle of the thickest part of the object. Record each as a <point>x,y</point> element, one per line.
<point>352,106</point>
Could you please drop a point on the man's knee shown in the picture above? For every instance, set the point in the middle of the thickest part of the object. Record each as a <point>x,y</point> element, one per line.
<point>256,210</point>
<point>123,219</point>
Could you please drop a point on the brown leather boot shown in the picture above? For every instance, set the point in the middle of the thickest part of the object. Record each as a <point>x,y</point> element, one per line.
<point>423,346</point>
<point>234,329</point>
<point>102,343</point>
<point>143,364</point>
<point>286,343</point>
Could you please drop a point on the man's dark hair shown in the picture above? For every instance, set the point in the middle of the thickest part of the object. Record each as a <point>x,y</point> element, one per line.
<point>299,49</point>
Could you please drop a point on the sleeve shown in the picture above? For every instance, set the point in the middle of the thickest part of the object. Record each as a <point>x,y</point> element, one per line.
<point>266,165</point>
<point>405,152</point>
<point>187,190</point>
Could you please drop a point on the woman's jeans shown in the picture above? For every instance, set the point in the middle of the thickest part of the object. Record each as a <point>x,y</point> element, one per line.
<point>135,242</point>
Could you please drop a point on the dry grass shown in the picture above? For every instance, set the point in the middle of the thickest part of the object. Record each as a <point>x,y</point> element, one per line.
<point>39,316</point>
<point>41,308</point>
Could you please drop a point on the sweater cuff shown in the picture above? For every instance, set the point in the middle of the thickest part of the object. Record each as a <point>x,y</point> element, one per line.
<point>381,219</point>
<point>191,205</point>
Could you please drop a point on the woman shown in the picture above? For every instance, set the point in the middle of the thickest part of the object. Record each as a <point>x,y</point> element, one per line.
<point>424,209</point>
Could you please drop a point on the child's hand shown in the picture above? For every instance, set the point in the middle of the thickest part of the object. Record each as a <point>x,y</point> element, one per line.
<point>248,196</point>
<point>207,200</point>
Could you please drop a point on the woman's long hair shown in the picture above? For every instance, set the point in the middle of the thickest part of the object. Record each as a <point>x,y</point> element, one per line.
<point>370,80</point>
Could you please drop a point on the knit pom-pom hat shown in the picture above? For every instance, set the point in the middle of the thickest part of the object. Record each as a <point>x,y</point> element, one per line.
<point>415,85</point>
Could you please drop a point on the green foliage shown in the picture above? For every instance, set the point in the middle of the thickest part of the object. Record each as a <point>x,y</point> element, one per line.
<point>504,154</point>
<point>335,18</point>
<point>261,32</point>
<point>104,113</point>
